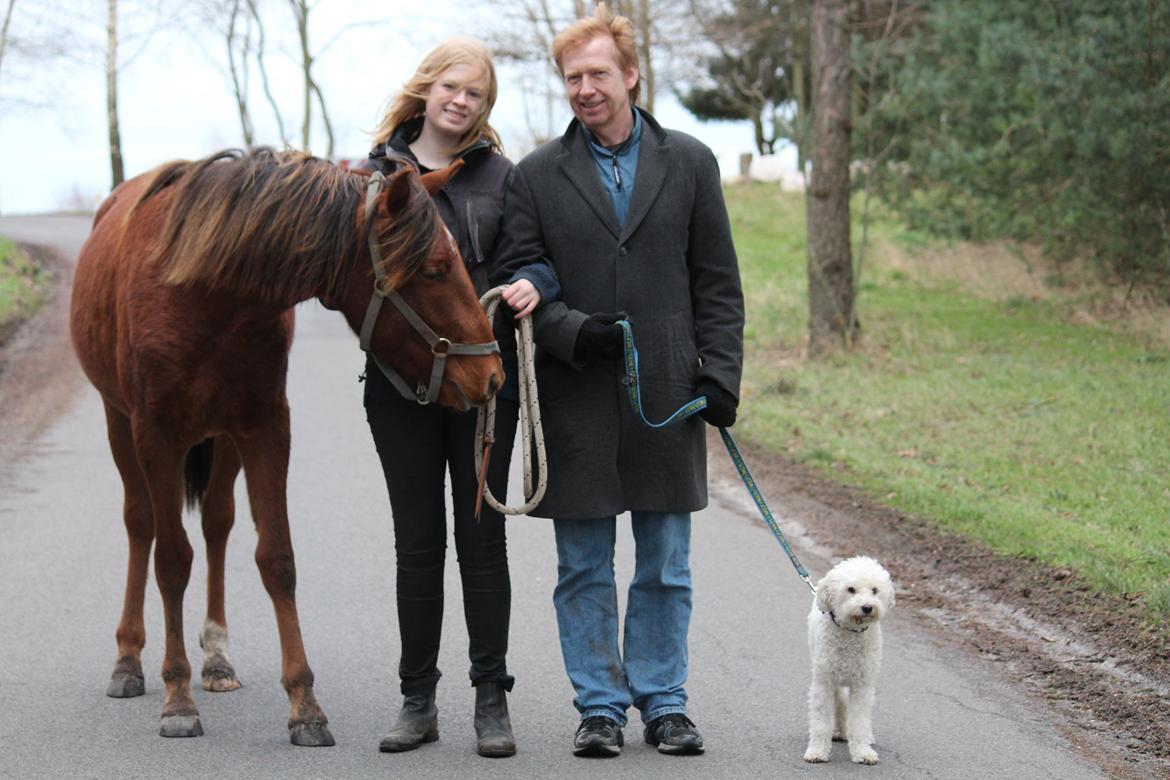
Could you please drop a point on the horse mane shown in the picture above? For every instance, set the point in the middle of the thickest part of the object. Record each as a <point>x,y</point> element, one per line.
<point>281,225</point>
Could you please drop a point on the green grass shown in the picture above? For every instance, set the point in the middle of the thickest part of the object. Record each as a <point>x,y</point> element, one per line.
<point>1000,420</point>
<point>22,285</point>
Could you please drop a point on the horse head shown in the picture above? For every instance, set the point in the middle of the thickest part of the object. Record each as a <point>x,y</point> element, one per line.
<point>435,337</point>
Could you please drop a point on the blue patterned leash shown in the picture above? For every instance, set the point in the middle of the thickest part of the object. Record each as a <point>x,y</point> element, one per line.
<point>694,406</point>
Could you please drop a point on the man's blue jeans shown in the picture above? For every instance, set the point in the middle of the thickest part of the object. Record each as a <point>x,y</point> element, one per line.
<point>650,669</point>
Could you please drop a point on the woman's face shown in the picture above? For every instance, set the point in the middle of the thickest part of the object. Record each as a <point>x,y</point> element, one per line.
<point>456,100</point>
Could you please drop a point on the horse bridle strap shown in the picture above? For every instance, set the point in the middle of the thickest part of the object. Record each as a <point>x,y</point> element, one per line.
<point>440,347</point>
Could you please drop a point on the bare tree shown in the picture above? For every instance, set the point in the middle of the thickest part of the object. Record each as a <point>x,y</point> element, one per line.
<point>521,32</point>
<point>260,51</point>
<point>239,71</point>
<point>241,27</point>
<point>4,30</point>
<point>300,9</point>
<point>830,269</point>
<point>118,174</point>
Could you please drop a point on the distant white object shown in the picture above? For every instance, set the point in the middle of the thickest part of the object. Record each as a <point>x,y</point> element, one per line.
<point>777,168</point>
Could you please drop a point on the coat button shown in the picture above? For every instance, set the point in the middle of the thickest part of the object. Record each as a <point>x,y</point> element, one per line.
<point>622,251</point>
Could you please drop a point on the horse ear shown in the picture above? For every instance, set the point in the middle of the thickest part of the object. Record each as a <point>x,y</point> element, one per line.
<point>435,180</point>
<point>396,192</point>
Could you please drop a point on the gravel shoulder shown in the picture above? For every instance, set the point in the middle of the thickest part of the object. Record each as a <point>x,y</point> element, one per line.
<point>39,375</point>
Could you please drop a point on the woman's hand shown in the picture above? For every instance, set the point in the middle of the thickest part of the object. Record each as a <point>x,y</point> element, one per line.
<point>523,297</point>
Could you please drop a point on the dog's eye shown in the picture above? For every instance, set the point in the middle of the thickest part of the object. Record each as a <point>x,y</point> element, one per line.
<point>852,589</point>
<point>875,591</point>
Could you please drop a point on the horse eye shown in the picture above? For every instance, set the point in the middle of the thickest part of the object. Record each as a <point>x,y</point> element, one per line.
<point>852,589</point>
<point>434,274</point>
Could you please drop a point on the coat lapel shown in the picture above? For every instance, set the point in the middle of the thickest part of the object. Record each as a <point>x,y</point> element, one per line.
<point>653,162</point>
<point>578,166</point>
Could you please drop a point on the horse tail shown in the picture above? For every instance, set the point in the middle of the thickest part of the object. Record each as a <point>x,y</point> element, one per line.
<point>198,472</point>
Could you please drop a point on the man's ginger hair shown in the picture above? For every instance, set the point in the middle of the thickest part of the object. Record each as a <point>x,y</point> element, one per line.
<point>602,23</point>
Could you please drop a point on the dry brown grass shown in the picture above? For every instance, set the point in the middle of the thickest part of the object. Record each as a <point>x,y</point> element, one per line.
<point>1003,271</point>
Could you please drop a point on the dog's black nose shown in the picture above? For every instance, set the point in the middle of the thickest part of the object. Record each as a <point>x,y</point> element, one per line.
<point>867,610</point>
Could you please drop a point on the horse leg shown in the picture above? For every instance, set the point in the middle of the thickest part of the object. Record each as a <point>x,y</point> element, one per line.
<point>127,680</point>
<point>219,514</point>
<point>162,463</point>
<point>265,456</point>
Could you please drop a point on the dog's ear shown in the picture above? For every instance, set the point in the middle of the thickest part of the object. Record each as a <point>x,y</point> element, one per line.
<point>888,593</point>
<point>825,593</point>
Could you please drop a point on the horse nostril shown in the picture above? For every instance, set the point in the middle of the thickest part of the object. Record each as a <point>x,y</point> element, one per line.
<point>867,609</point>
<point>493,384</point>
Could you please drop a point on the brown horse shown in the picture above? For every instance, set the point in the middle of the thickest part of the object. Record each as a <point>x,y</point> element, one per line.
<point>182,319</point>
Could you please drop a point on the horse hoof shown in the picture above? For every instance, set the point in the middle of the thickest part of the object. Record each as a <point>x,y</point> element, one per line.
<point>220,684</point>
<point>125,686</point>
<point>220,678</point>
<point>310,735</point>
<point>181,726</point>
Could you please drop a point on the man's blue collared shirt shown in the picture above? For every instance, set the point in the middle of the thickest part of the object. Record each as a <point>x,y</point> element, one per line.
<point>618,168</point>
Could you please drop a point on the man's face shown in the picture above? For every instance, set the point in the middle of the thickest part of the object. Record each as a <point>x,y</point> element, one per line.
<point>598,89</point>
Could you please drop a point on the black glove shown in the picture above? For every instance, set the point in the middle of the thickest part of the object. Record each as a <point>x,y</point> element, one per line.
<point>721,404</point>
<point>600,335</point>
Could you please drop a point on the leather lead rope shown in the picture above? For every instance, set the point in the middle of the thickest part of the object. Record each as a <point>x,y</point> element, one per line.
<point>531,430</point>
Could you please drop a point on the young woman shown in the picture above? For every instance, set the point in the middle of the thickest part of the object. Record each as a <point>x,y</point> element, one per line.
<point>441,116</point>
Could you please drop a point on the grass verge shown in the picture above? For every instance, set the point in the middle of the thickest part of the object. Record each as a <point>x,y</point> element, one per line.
<point>22,286</point>
<point>999,417</point>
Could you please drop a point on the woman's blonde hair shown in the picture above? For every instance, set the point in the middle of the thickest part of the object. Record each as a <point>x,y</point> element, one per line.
<point>411,102</point>
<point>602,23</point>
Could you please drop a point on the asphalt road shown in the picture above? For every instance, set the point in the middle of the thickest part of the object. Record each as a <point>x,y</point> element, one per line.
<point>940,713</point>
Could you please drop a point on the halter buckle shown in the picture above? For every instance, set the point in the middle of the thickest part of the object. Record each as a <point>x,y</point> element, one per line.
<point>441,347</point>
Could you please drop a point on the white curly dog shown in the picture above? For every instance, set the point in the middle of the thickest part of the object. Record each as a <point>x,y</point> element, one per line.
<point>845,640</point>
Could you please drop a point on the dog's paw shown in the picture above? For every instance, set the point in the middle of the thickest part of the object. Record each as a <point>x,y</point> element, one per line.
<point>816,756</point>
<point>865,755</point>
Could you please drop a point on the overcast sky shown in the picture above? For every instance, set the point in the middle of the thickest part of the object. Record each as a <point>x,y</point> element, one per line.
<point>176,101</point>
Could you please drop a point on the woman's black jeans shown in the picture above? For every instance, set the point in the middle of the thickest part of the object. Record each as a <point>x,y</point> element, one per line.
<point>417,444</point>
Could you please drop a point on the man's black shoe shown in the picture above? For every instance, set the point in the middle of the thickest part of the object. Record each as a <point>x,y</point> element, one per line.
<point>674,735</point>
<point>598,737</point>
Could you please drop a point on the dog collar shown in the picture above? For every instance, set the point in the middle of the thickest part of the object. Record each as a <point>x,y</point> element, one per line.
<point>838,623</point>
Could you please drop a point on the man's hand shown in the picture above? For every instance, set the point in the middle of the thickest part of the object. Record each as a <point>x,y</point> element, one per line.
<point>600,335</point>
<point>721,404</point>
<point>523,297</point>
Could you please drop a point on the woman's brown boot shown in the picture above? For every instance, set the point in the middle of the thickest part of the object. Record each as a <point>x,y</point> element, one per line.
<point>493,727</point>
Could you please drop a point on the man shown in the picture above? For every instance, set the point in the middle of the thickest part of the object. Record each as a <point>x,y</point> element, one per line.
<point>631,217</point>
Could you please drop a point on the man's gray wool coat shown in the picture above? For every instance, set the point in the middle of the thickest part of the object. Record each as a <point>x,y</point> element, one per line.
<point>672,269</point>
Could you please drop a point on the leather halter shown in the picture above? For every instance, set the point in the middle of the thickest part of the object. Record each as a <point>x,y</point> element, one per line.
<point>440,347</point>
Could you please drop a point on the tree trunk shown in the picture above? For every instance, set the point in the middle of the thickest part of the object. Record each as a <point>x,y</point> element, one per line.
<point>801,25</point>
<point>646,47</point>
<point>4,29</point>
<point>757,121</point>
<point>238,87</point>
<point>324,120</point>
<point>301,12</point>
<point>830,269</point>
<point>264,72</point>
<point>116,169</point>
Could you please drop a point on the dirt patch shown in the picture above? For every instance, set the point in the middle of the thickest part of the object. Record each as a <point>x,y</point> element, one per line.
<point>1094,657</point>
<point>39,375</point>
